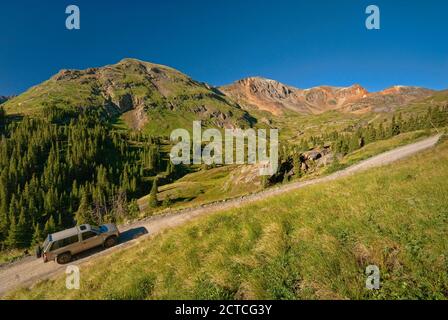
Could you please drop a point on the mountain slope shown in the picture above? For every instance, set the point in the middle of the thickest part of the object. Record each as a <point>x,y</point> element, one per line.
<point>275,97</point>
<point>150,96</point>
<point>389,99</point>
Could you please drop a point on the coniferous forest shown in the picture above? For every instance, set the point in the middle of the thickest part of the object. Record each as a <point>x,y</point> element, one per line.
<point>56,173</point>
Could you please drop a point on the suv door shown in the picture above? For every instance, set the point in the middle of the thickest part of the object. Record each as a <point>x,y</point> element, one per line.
<point>90,239</point>
<point>70,244</point>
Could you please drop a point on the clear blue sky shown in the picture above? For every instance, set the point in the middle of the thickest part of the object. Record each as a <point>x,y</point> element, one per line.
<point>302,43</point>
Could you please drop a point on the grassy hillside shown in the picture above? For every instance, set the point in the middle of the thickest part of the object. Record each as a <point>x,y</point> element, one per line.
<point>294,127</point>
<point>311,243</point>
<point>149,97</point>
<point>206,186</point>
<point>419,107</point>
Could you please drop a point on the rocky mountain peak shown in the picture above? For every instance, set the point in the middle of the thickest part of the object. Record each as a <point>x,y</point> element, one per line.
<point>275,97</point>
<point>267,87</point>
<point>406,90</point>
<point>354,91</point>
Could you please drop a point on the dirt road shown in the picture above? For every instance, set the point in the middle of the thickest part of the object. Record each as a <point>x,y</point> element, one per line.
<point>29,270</point>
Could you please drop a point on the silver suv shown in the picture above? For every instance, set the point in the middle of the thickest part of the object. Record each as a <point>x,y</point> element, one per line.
<point>61,246</point>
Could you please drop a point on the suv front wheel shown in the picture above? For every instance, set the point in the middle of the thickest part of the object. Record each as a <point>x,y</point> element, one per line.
<point>64,258</point>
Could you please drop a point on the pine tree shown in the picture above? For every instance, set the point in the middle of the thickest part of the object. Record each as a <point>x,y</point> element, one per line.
<point>84,213</point>
<point>50,226</point>
<point>60,225</point>
<point>354,143</point>
<point>22,232</point>
<point>381,134</point>
<point>12,239</point>
<point>153,203</point>
<point>4,221</point>
<point>394,127</point>
<point>37,236</point>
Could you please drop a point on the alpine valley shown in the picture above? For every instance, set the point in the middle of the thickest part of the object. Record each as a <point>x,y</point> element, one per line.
<point>92,146</point>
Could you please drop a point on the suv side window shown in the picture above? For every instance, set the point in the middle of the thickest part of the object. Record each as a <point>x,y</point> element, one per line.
<point>88,234</point>
<point>71,240</point>
<point>64,242</point>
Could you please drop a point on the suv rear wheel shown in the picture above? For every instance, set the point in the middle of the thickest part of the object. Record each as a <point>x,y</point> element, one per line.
<point>110,242</point>
<point>64,258</point>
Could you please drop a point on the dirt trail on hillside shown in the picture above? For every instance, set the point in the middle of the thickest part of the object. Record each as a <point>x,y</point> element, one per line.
<point>30,270</point>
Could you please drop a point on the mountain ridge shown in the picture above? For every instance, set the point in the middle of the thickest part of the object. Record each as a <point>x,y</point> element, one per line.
<point>276,97</point>
<point>159,98</point>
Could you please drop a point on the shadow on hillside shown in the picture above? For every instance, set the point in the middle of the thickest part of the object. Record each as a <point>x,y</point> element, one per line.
<point>125,236</point>
<point>132,234</point>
